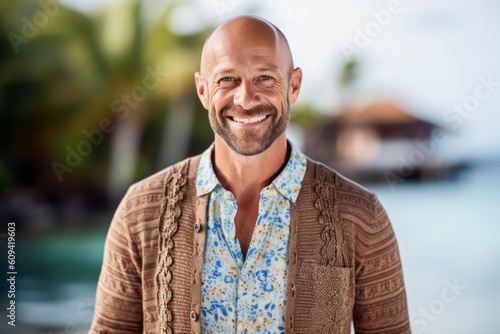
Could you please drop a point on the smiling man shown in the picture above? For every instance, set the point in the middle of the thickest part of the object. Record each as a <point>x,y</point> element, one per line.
<point>251,236</point>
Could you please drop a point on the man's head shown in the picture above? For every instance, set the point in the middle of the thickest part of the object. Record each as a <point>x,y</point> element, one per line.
<point>247,83</point>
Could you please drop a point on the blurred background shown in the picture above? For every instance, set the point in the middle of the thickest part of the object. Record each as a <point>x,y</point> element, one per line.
<point>401,96</point>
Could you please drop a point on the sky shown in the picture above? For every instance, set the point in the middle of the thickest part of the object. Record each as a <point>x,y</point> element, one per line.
<point>431,56</point>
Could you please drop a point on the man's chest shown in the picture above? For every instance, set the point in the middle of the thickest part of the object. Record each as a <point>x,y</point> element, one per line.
<point>247,290</point>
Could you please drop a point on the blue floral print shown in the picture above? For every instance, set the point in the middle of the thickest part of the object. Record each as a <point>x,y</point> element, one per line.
<point>247,295</point>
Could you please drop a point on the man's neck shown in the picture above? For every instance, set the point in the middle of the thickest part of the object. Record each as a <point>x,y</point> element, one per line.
<point>248,174</point>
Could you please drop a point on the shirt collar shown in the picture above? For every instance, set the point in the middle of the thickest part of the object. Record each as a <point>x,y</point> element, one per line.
<point>206,180</point>
<point>288,182</point>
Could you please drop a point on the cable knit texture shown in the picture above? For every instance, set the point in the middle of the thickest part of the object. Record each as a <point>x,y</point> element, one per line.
<point>344,263</point>
<point>170,213</point>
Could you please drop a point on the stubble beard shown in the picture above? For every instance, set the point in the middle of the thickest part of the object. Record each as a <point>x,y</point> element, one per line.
<point>250,141</point>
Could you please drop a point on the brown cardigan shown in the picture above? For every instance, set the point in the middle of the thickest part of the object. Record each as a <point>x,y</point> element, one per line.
<point>344,261</point>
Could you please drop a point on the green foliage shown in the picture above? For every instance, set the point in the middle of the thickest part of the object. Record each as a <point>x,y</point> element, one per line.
<point>305,116</point>
<point>349,72</point>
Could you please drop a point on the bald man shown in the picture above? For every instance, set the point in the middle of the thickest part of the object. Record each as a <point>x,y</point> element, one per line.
<point>251,236</point>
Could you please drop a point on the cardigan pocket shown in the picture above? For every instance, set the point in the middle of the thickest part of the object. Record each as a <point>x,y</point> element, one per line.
<point>324,298</point>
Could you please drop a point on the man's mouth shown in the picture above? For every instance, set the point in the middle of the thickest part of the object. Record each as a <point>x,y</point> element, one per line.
<point>249,120</point>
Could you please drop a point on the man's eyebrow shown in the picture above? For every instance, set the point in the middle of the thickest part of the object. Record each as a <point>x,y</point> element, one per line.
<point>216,75</point>
<point>270,67</point>
<point>228,71</point>
<point>224,72</point>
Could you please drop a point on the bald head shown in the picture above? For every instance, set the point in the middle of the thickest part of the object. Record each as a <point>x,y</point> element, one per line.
<point>240,34</point>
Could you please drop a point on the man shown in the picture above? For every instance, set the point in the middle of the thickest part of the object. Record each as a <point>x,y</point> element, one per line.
<point>251,236</point>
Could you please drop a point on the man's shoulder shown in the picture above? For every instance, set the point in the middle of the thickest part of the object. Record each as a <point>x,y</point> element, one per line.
<point>349,197</point>
<point>329,177</point>
<point>155,183</point>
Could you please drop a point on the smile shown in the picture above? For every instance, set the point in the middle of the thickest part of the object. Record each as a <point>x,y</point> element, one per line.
<point>249,120</point>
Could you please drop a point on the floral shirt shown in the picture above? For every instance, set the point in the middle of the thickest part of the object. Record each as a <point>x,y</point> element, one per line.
<point>247,295</point>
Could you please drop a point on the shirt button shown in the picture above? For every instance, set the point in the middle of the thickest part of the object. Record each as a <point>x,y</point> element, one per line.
<point>244,277</point>
<point>197,227</point>
<point>193,316</point>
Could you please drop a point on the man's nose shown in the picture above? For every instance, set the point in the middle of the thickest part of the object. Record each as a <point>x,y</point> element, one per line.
<point>246,96</point>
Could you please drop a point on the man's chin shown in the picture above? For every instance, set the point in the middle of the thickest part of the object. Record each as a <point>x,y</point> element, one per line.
<point>248,150</point>
<point>248,147</point>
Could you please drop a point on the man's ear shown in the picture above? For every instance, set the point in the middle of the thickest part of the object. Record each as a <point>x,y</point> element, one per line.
<point>295,83</point>
<point>201,89</point>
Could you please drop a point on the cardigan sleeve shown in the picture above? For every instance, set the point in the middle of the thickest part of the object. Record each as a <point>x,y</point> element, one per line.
<point>118,307</point>
<point>380,302</point>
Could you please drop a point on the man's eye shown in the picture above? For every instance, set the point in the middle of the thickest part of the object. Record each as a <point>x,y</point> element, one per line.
<point>227,79</point>
<point>265,77</point>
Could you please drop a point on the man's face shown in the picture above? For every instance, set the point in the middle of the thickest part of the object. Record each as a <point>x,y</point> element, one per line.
<point>247,84</point>
<point>249,127</point>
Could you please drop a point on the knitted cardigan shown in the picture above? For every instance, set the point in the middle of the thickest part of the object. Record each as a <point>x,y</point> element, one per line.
<point>344,263</point>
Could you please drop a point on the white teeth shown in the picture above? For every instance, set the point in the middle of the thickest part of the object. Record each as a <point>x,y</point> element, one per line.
<point>249,120</point>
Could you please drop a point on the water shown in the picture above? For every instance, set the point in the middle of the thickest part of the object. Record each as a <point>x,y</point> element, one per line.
<point>56,281</point>
<point>448,237</point>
